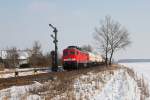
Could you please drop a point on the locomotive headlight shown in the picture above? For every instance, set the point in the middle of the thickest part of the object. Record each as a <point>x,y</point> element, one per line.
<point>73,59</point>
<point>70,59</point>
<point>65,59</point>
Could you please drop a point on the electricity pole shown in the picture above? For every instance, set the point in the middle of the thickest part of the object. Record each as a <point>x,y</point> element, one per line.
<point>55,67</point>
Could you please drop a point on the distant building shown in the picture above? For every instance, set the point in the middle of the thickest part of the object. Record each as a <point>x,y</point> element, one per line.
<point>23,55</point>
<point>3,54</point>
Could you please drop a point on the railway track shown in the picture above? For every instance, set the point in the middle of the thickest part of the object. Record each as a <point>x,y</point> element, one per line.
<point>43,77</point>
<point>22,70</point>
<point>24,80</point>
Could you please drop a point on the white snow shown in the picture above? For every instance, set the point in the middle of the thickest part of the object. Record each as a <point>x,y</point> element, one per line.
<point>87,86</point>
<point>33,97</point>
<point>107,85</point>
<point>120,87</point>
<point>142,69</point>
<point>20,92</point>
<point>22,72</point>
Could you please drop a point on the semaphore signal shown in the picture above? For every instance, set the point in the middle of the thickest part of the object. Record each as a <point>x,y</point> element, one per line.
<point>55,41</point>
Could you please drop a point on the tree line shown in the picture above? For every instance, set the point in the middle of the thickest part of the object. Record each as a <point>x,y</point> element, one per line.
<point>35,57</point>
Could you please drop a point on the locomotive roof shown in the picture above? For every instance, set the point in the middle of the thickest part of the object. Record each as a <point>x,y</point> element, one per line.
<point>74,47</point>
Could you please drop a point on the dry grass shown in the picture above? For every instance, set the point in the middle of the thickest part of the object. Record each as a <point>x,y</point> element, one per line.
<point>143,86</point>
<point>2,67</point>
<point>57,85</point>
<point>61,86</point>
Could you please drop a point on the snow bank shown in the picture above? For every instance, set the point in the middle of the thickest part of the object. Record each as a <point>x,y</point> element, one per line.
<point>116,85</point>
<point>86,87</point>
<point>142,70</point>
<point>120,87</point>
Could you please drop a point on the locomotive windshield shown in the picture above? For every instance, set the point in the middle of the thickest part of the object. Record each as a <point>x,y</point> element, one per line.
<point>69,52</point>
<point>65,53</point>
<point>72,52</point>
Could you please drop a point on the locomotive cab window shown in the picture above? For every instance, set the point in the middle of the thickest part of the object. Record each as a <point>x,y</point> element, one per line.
<point>65,53</point>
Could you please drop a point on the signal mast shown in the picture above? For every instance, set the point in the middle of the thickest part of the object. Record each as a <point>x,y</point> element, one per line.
<point>55,53</point>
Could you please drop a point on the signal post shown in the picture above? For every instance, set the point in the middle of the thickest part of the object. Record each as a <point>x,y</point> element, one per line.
<point>55,53</point>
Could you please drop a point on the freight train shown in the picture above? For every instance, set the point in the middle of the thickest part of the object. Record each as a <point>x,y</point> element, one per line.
<point>75,58</point>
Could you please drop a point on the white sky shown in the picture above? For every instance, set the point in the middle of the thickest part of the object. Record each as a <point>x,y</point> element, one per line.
<point>24,21</point>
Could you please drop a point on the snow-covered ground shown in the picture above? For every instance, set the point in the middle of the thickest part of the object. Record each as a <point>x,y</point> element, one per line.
<point>120,87</point>
<point>89,85</point>
<point>6,73</point>
<point>86,86</point>
<point>141,68</point>
<point>20,92</point>
<point>117,86</point>
<point>106,85</point>
<point>22,72</point>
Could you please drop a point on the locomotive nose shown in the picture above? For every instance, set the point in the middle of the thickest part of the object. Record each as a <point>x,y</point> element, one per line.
<point>69,59</point>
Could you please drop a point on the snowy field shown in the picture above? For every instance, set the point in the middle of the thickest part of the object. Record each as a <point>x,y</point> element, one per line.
<point>141,68</point>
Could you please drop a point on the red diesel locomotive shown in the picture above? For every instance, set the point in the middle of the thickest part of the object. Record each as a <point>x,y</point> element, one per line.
<point>74,58</point>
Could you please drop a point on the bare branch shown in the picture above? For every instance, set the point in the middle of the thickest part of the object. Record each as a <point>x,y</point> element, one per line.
<point>112,37</point>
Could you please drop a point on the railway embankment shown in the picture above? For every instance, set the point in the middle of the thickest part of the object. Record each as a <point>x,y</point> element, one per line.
<point>53,85</point>
<point>96,83</point>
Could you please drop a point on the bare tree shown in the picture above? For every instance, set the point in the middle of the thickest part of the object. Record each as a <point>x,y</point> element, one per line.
<point>87,48</point>
<point>102,37</point>
<point>112,37</point>
<point>36,54</point>
<point>1,64</point>
<point>48,59</point>
<point>36,49</point>
<point>12,57</point>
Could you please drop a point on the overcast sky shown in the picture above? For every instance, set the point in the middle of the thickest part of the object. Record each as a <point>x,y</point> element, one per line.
<point>24,21</point>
